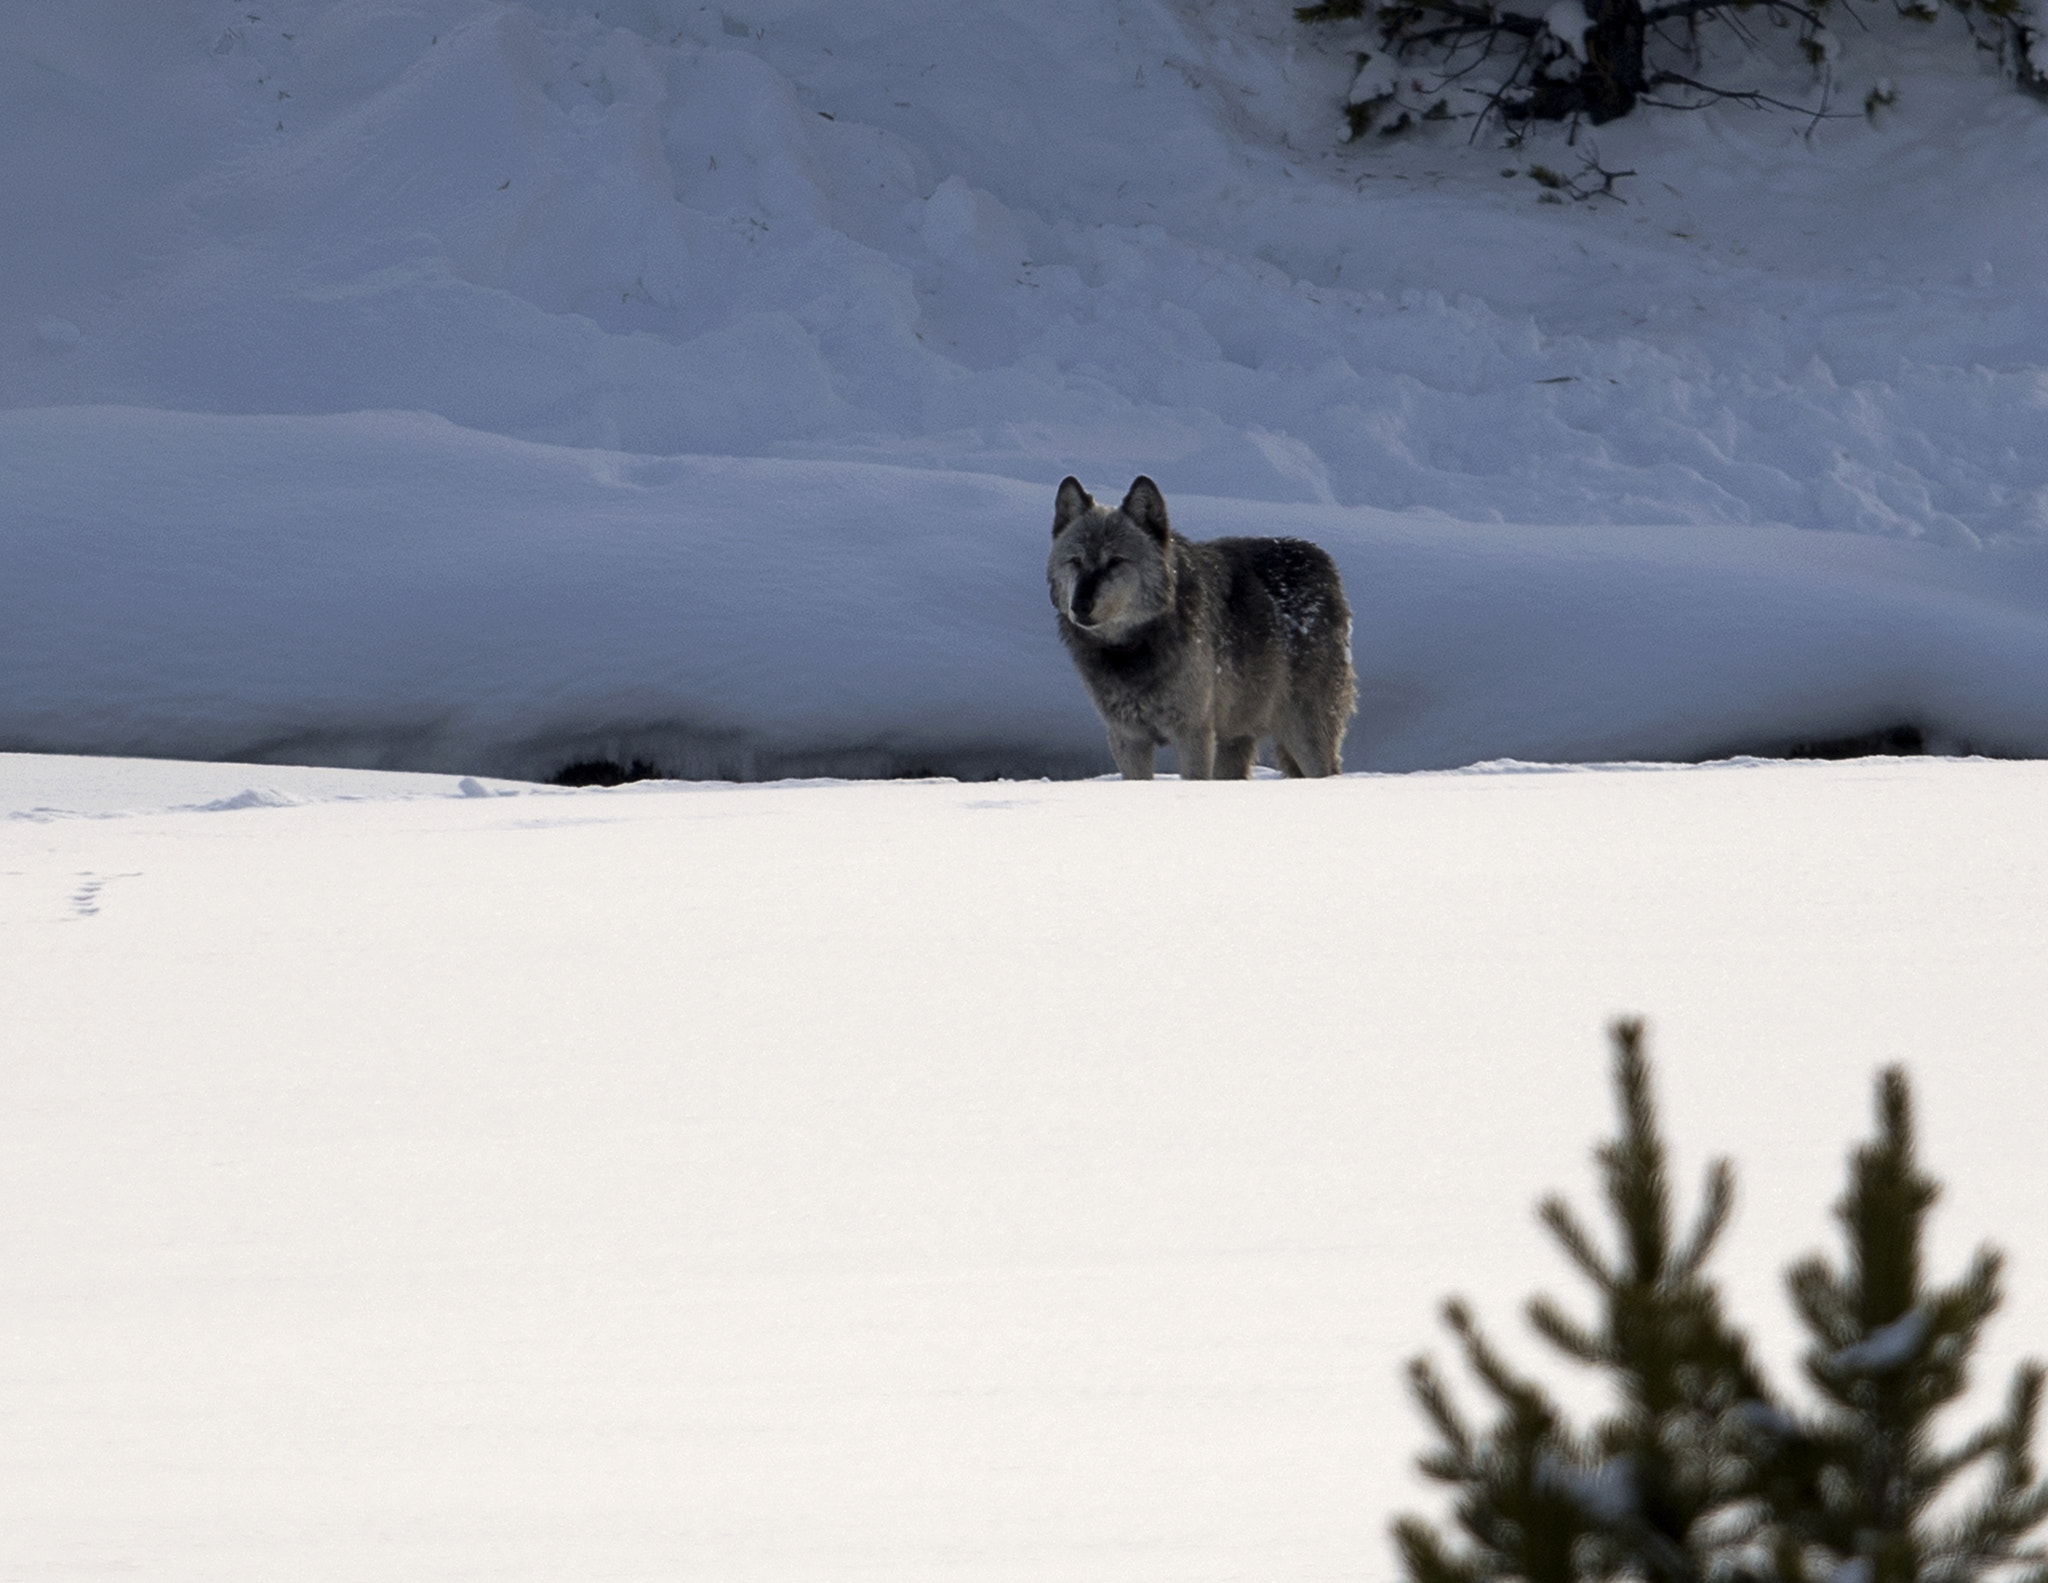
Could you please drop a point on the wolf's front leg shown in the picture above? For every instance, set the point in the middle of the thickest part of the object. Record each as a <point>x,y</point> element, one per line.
<point>1197,754</point>
<point>1235,757</point>
<point>1133,754</point>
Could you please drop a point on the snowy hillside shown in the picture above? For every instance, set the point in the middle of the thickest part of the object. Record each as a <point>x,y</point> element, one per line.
<point>1023,240</point>
<point>483,386</point>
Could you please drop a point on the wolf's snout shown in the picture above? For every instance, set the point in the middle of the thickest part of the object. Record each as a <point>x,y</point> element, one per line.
<point>1086,598</point>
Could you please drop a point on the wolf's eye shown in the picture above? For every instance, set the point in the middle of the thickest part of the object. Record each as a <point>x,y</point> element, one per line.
<point>1112,563</point>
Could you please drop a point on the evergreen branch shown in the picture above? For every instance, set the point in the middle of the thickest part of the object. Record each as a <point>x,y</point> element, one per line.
<point>1977,1296</point>
<point>1524,1399</point>
<point>1695,1474</point>
<point>1889,1354</point>
<point>1634,1162</point>
<point>1942,1469</point>
<point>1425,1558</point>
<point>1563,1224</point>
<point>1895,1114</point>
<point>2022,1412</point>
<point>1956,1314</point>
<point>1991,1531</point>
<point>1821,1303</point>
<point>1427,1387</point>
<point>1972,1546</point>
<point>1717,1202</point>
<point>1888,1197</point>
<point>1567,1334</point>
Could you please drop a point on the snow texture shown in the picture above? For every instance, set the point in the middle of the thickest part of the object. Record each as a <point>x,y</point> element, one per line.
<point>1568,23</point>
<point>946,1183</point>
<point>1886,1348</point>
<point>1606,1493</point>
<point>478,386</point>
<point>1768,1419</point>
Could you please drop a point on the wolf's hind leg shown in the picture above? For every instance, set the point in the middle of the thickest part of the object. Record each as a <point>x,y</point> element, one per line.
<point>1289,765</point>
<point>1309,747</point>
<point>1234,757</point>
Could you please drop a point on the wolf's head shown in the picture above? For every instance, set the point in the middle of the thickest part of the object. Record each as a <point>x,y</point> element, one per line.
<point>1109,571</point>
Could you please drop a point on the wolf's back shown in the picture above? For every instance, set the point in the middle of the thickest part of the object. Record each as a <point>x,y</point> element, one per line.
<point>1303,581</point>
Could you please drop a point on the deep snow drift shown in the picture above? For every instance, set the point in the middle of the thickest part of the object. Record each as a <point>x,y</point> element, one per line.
<point>591,323</point>
<point>834,1182</point>
<point>561,606</point>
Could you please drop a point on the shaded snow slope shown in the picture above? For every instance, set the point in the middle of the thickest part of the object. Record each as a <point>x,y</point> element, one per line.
<point>394,591</point>
<point>1030,239</point>
<point>751,340</point>
<point>792,1184</point>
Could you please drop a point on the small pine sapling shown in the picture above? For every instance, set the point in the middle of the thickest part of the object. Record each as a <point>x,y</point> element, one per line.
<point>1666,1486</point>
<point>1888,1354</point>
<point>1699,1473</point>
<point>1517,1516</point>
<point>1680,1441</point>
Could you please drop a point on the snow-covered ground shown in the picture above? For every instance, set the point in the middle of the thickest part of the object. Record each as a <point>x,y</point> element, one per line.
<point>921,1181</point>
<point>419,1174</point>
<point>479,386</point>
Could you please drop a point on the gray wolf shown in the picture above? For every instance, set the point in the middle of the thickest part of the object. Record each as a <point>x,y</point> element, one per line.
<point>1209,646</point>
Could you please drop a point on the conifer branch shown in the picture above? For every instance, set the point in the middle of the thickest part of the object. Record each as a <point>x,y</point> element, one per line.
<point>1821,1303</point>
<point>1455,1459</point>
<point>1571,1235</point>
<point>1566,1333</point>
<point>1717,1203</point>
<point>1698,1475</point>
<point>1524,1399</point>
<point>1634,1162</point>
<point>1425,1557</point>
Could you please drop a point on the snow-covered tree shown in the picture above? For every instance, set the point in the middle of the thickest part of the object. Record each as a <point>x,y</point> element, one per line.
<point>1556,60</point>
<point>1665,1485</point>
<point>1889,1352</point>
<point>1699,1472</point>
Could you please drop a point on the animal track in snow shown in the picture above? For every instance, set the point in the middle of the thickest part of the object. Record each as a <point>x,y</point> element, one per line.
<point>85,901</point>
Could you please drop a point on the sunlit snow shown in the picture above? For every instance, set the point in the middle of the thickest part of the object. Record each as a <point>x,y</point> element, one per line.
<point>411,1171</point>
<point>930,1181</point>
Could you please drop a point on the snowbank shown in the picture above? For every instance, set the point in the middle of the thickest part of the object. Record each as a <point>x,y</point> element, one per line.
<point>41,787</point>
<point>912,264</point>
<point>392,591</point>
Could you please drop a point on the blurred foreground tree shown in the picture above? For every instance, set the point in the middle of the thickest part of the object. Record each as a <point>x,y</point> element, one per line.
<point>1700,1472</point>
<point>1598,59</point>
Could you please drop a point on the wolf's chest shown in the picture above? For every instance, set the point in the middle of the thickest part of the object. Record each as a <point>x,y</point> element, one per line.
<point>1149,683</point>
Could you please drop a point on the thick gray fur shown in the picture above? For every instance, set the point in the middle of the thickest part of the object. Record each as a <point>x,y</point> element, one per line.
<point>1208,646</point>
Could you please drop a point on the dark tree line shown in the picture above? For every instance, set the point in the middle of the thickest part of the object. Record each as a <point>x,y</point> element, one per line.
<point>1702,1471</point>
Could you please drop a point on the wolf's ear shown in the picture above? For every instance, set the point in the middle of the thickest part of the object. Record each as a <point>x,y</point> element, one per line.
<point>1145,506</point>
<point>1071,502</point>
